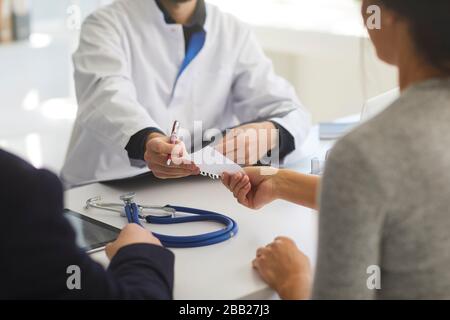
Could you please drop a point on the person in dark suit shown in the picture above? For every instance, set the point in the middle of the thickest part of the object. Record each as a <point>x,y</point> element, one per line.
<point>37,245</point>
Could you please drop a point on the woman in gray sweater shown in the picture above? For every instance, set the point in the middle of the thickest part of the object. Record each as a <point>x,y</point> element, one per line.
<point>384,200</point>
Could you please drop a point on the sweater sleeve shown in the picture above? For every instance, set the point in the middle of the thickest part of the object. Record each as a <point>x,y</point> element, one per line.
<point>350,225</point>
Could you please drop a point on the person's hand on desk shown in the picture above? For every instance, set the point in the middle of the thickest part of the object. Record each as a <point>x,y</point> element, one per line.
<point>131,234</point>
<point>248,144</point>
<point>158,148</point>
<point>285,269</point>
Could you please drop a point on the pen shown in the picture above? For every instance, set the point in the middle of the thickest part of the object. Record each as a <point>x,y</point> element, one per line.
<point>173,138</point>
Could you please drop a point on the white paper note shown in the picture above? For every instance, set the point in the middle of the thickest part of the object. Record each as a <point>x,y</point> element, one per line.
<point>213,163</point>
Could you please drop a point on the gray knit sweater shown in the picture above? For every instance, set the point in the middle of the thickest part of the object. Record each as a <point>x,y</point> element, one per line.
<point>385,202</point>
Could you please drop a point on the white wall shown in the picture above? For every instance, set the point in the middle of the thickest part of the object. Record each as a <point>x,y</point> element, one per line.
<point>336,84</point>
<point>316,45</point>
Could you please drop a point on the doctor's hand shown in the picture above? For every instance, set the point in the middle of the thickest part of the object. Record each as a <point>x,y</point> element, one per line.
<point>158,148</point>
<point>248,144</point>
<point>131,234</point>
<point>252,189</point>
<point>285,269</point>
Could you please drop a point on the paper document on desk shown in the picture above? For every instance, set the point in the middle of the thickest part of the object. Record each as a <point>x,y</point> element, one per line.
<point>213,164</point>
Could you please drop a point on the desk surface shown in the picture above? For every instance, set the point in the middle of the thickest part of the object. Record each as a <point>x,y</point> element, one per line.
<point>221,271</point>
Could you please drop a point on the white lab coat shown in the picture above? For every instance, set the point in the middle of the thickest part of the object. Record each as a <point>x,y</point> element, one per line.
<point>125,71</point>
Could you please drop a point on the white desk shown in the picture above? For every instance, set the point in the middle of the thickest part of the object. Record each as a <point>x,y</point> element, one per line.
<point>220,271</point>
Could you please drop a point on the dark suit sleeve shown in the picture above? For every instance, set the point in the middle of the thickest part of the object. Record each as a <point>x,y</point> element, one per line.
<point>146,268</point>
<point>286,142</point>
<point>38,246</point>
<point>136,145</point>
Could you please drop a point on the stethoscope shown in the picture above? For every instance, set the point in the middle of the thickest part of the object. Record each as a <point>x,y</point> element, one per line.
<point>135,213</point>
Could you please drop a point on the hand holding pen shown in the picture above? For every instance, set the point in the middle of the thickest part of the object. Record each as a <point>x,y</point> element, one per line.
<point>173,139</point>
<point>160,149</point>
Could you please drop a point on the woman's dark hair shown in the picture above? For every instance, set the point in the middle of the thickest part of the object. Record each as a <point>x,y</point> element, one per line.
<point>430,27</point>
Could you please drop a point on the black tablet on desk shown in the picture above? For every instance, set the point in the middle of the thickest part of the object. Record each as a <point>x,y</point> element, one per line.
<point>92,235</point>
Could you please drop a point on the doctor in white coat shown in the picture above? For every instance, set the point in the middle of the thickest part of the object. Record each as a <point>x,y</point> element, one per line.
<point>141,64</point>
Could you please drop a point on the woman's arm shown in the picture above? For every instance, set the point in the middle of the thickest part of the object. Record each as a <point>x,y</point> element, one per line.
<point>297,188</point>
<point>256,187</point>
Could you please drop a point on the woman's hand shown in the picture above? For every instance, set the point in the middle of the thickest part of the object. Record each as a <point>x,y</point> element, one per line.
<point>285,269</point>
<point>251,189</point>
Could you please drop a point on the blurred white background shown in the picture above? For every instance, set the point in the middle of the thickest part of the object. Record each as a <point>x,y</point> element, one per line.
<point>318,45</point>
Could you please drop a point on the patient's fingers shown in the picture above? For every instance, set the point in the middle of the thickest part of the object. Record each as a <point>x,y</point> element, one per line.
<point>242,195</point>
<point>260,251</point>
<point>226,179</point>
<point>235,180</point>
<point>255,264</point>
<point>241,184</point>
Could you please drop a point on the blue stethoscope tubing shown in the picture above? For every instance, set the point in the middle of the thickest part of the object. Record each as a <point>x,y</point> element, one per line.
<point>202,240</point>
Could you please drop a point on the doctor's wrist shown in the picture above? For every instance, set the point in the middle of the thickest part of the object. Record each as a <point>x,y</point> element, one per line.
<point>155,135</point>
